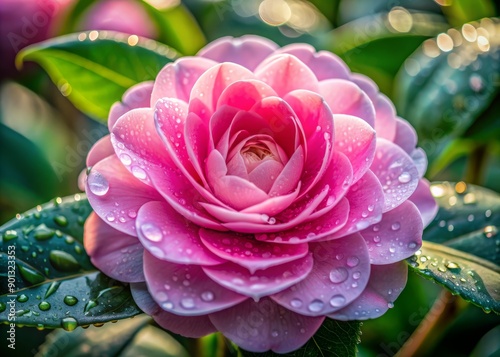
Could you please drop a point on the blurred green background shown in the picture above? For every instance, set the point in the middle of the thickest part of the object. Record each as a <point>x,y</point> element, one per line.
<point>439,61</point>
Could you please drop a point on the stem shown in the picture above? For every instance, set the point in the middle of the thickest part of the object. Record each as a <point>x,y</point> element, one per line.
<point>428,333</point>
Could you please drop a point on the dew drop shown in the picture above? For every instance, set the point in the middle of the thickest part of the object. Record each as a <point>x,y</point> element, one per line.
<point>490,231</point>
<point>337,300</point>
<point>207,296</point>
<point>296,303</point>
<point>405,177</point>
<point>338,275</point>
<point>69,323</point>
<point>352,261</point>
<point>70,300</point>
<point>139,173</point>
<point>98,184</point>
<point>125,159</point>
<point>22,298</point>
<point>151,232</point>
<point>316,305</point>
<point>187,303</point>
<point>412,245</point>
<point>44,306</point>
<point>395,226</point>
<point>356,275</point>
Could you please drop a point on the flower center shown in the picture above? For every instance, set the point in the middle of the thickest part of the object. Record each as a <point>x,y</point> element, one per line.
<point>254,154</point>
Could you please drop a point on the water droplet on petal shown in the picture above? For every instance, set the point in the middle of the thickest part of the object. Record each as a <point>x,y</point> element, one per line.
<point>151,232</point>
<point>337,300</point>
<point>338,275</point>
<point>296,303</point>
<point>139,173</point>
<point>125,159</point>
<point>98,184</point>
<point>207,296</point>
<point>395,226</point>
<point>352,261</point>
<point>187,303</point>
<point>316,305</point>
<point>405,177</point>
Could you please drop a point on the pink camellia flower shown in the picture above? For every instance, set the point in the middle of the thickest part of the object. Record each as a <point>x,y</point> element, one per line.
<point>255,191</point>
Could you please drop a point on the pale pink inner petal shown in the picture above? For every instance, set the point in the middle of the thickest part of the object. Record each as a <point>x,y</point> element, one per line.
<point>249,253</point>
<point>107,246</point>
<point>245,94</point>
<point>261,282</point>
<point>396,237</point>
<point>406,136</point>
<point>185,289</point>
<point>324,64</point>
<point>101,149</point>
<point>397,173</point>
<point>264,325</point>
<point>345,97</point>
<point>177,79</point>
<point>247,51</point>
<point>340,274</point>
<point>385,284</point>
<point>169,236</point>
<point>285,73</point>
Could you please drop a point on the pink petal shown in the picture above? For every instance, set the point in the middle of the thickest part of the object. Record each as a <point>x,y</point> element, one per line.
<point>266,173</point>
<point>169,236</point>
<point>232,190</point>
<point>274,205</point>
<point>208,88</point>
<point>425,202</point>
<point>177,79</point>
<point>366,202</point>
<point>264,325</point>
<point>245,94</point>
<point>385,284</point>
<point>406,136</point>
<point>184,198</point>
<point>249,253</point>
<point>340,273</point>
<point>220,124</point>
<point>328,223</point>
<point>262,282</point>
<point>101,149</point>
<point>345,97</point>
<point>137,144</point>
<point>116,195</point>
<point>397,236</point>
<point>116,254</point>
<point>185,289</point>
<point>285,73</point>
<point>385,113</point>
<point>420,160</point>
<point>247,51</point>
<point>196,136</point>
<point>397,173</point>
<point>137,96</point>
<point>289,177</point>
<point>356,139</point>
<point>188,326</point>
<point>324,64</point>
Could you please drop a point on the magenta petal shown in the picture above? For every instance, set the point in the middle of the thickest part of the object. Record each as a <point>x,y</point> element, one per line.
<point>274,205</point>
<point>101,149</point>
<point>249,253</point>
<point>406,136</point>
<point>116,195</point>
<point>185,289</point>
<point>425,202</point>
<point>208,88</point>
<point>264,325</point>
<point>196,136</point>
<point>137,96</point>
<point>289,177</point>
<point>247,51</point>
<point>328,223</point>
<point>385,284</point>
<point>366,202</point>
<point>340,273</point>
<point>356,139</point>
<point>397,173</point>
<point>264,175</point>
<point>116,254</point>
<point>220,123</point>
<point>345,97</point>
<point>285,73</point>
<point>396,237</point>
<point>169,236</point>
<point>245,94</point>
<point>325,65</point>
<point>177,79</point>
<point>262,282</point>
<point>188,326</point>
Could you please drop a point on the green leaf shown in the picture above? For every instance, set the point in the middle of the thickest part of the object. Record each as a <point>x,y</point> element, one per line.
<point>460,250</point>
<point>128,338</point>
<point>334,338</point>
<point>52,282</point>
<point>444,86</point>
<point>93,69</point>
<point>461,11</point>
<point>375,37</point>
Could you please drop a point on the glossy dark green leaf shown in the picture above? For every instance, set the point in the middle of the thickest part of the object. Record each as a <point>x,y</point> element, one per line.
<point>128,338</point>
<point>366,42</point>
<point>449,81</point>
<point>93,69</point>
<point>46,242</point>
<point>461,247</point>
<point>334,338</point>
